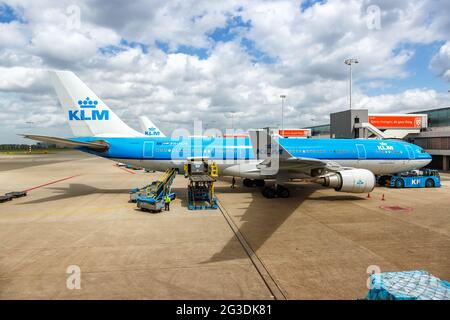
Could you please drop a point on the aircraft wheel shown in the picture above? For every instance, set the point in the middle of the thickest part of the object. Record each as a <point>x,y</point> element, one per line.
<point>248,183</point>
<point>429,183</point>
<point>283,192</point>
<point>269,192</point>
<point>382,181</point>
<point>399,183</point>
<point>260,183</point>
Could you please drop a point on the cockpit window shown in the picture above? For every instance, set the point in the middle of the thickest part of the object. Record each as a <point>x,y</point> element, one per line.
<point>422,151</point>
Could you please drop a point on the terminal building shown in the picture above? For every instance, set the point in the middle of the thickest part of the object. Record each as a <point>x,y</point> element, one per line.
<point>429,129</point>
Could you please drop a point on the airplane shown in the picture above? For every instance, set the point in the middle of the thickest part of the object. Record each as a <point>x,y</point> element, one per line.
<point>149,128</point>
<point>347,165</point>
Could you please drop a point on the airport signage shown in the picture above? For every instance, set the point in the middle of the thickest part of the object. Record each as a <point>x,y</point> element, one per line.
<point>294,133</point>
<point>235,135</point>
<point>396,121</point>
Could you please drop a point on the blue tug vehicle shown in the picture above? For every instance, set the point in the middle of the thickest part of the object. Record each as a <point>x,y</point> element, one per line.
<point>426,178</point>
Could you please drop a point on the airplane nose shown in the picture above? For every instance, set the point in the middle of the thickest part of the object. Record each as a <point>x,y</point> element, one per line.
<point>426,158</point>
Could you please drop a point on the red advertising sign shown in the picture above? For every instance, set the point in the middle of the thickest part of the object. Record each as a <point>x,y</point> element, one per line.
<point>396,121</point>
<point>297,133</point>
<point>235,135</point>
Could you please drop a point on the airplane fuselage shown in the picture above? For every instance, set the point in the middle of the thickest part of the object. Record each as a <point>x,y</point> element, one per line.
<point>235,157</point>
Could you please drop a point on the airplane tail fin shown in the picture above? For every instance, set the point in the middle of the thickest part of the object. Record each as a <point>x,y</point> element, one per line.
<point>86,113</point>
<point>149,128</point>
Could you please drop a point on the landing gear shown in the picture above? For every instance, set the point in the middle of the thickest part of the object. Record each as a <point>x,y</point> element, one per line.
<point>382,180</point>
<point>260,183</point>
<point>269,192</point>
<point>283,192</point>
<point>272,192</point>
<point>249,183</point>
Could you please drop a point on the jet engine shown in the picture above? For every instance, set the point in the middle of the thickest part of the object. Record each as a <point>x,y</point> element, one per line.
<point>353,180</point>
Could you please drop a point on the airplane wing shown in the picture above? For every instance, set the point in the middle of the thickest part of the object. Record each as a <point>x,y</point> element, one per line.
<point>270,152</point>
<point>98,145</point>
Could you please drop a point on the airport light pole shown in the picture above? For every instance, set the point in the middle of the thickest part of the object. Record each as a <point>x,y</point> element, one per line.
<point>349,62</point>
<point>282,96</point>
<point>30,123</point>
<point>232,113</point>
<point>208,123</point>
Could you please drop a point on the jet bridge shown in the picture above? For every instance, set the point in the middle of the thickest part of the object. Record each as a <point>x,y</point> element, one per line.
<point>370,128</point>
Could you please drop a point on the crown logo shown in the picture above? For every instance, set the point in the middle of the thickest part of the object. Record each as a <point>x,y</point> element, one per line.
<point>87,103</point>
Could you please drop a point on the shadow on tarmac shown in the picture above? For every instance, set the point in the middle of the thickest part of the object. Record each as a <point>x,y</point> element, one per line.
<point>75,190</point>
<point>257,222</point>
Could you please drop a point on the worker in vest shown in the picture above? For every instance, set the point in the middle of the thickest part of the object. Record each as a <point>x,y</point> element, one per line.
<point>167,203</point>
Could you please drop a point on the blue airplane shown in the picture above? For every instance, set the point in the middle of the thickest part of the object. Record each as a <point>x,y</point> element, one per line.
<point>347,165</point>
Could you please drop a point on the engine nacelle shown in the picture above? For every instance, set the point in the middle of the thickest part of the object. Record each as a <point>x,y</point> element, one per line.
<point>353,180</point>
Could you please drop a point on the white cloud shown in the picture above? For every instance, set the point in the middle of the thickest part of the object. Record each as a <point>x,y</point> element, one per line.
<point>440,63</point>
<point>20,79</point>
<point>407,101</point>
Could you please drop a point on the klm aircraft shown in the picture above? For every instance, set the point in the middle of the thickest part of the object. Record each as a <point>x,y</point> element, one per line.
<point>347,165</point>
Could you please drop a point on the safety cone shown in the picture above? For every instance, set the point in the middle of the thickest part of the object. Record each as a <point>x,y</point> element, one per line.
<point>382,197</point>
<point>368,195</point>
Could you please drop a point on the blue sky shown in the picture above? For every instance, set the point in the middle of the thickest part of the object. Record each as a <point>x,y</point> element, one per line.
<point>233,29</point>
<point>7,14</point>
<point>419,73</point>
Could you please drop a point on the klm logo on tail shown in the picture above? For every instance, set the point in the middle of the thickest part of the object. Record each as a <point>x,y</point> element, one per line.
<point>88,111</point>
<point>152,132</point>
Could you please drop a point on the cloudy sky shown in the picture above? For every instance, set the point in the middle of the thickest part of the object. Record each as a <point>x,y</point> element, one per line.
<point>179,61</point>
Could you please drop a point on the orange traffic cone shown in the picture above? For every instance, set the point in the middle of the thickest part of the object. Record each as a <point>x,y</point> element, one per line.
<point>382,197</point>
<point>368,195</point>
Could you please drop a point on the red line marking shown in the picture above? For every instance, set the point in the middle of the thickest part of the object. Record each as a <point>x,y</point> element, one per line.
<point>125,169</point>
<point>52,182</point>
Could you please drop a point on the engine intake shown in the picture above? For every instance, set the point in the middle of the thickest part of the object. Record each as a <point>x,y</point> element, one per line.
<point>354,181</point>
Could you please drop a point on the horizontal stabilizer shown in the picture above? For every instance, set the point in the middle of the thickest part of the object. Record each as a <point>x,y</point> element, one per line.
<point>98,145</point>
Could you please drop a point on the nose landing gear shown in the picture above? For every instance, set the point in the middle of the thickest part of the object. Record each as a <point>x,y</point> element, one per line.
<point>274,192</point>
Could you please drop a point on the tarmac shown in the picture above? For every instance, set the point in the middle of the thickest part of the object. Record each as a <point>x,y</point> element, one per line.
<point>317,244</point>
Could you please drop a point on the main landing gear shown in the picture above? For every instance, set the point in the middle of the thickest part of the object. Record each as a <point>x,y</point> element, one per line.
<point>249,183</point>
<point>277,191</point>
<point>274,192</point>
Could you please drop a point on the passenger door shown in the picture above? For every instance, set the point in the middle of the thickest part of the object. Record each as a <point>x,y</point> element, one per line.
<point>148,149</point>
<point>410,151</point>
<point>361,150</point>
